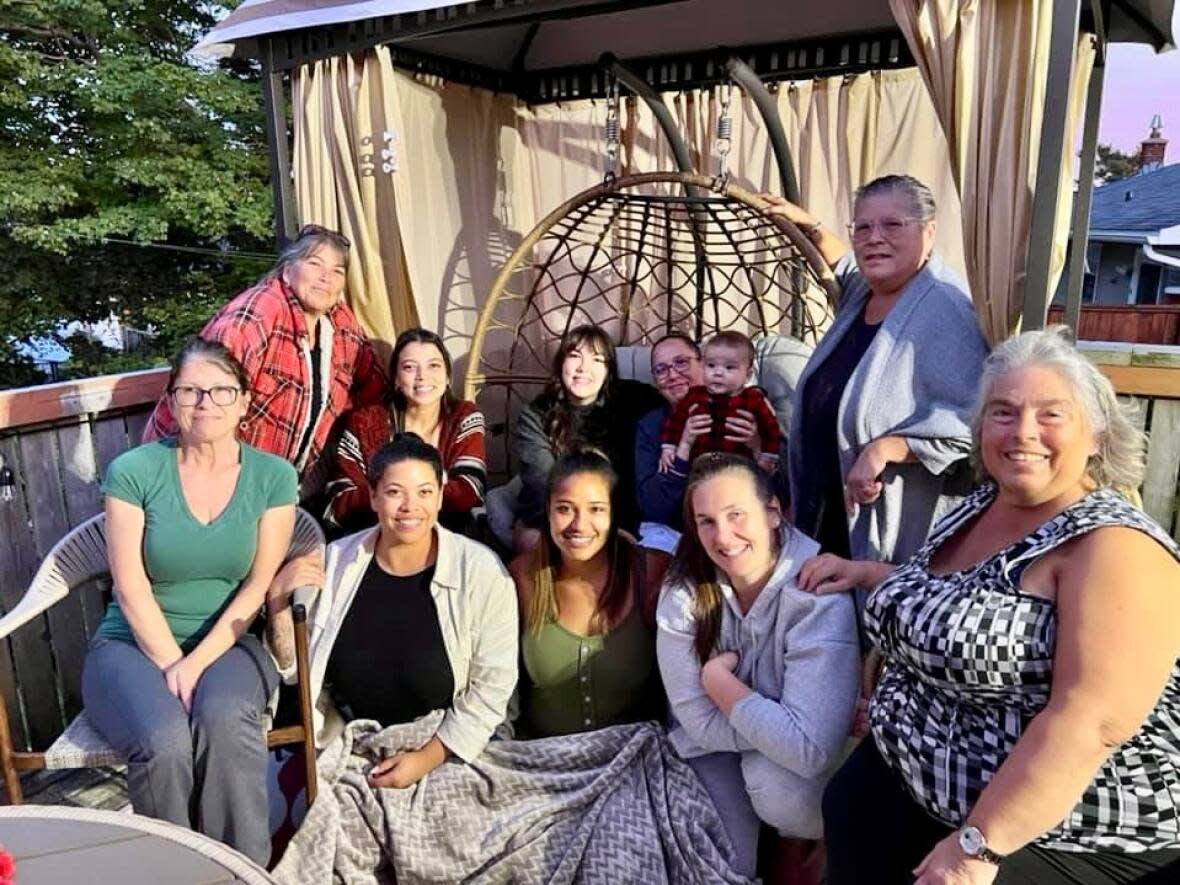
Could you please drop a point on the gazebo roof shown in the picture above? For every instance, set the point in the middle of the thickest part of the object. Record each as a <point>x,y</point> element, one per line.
<point>521,36</point>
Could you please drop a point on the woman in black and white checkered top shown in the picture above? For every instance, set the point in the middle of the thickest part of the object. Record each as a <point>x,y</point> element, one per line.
<point>1026,725</point>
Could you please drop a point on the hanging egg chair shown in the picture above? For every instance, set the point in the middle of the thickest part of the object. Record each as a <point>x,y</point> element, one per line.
<point>641,256</point>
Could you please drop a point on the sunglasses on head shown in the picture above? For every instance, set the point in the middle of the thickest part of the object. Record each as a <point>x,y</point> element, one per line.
<point>318,230</point>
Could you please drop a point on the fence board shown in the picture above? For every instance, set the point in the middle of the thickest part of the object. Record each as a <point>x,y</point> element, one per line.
<point>110,440</point>
<point>47,507</point>
<point>33,665</point>
<point>80,479</point>
<point>136,422</point>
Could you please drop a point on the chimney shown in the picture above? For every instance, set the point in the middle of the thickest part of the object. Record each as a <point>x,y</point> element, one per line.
<point>1153,148</point>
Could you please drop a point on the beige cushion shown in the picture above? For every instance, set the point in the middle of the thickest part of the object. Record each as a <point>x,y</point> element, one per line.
<point>80,746</point>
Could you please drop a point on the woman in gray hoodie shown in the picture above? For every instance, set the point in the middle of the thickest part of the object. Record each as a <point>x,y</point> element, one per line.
<point>762,677</point>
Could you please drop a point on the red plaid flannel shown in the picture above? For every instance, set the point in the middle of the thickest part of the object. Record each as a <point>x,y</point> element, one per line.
<point>722,407</point>
<point>264,328</point>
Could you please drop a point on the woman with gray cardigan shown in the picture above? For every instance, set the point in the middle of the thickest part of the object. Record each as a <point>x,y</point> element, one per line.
<point>883,404</point>
<point>761,677</point>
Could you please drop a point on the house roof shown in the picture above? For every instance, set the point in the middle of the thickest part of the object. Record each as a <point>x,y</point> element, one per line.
<point>1142,203</point>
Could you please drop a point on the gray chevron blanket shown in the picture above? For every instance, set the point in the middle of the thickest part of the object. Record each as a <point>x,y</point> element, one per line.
<point>610,806</point>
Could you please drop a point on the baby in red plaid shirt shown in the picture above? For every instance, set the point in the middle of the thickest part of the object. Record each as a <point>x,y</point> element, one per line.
<point>729,361</point>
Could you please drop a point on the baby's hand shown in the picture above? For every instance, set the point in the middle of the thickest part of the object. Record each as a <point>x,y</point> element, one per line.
<point>667,458</point>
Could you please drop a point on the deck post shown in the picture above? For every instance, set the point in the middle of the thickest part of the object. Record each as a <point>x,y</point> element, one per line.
<point>1062,48</point>
<point>275,112</point>
<point>1080,236</point>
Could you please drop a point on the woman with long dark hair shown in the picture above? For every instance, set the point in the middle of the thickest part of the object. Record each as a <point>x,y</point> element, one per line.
<point>587,600</point>
<point>761,680</point>
<point>421,403</point>
<point>585,405</point>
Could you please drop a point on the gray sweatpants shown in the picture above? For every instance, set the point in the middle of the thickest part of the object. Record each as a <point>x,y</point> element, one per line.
<point>205,770</point>
<point>749,789</point>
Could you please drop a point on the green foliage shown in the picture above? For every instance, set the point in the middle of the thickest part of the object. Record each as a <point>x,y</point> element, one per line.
<point>1113,165</point>
<point>108,131</point>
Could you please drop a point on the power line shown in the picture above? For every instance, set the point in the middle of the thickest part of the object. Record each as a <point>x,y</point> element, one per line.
<point>195,250</point>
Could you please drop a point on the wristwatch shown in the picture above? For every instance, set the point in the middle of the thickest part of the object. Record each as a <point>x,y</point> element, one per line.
<point>974,844</point>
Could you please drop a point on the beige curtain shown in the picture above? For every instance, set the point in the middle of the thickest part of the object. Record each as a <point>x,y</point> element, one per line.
<point>985,64</point>
<point>347,130</point>
<point>474,171</point>
<point>842,132</point>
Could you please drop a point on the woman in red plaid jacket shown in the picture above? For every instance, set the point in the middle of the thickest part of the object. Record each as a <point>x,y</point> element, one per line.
<point>421,403</point>
<point>307,358</point>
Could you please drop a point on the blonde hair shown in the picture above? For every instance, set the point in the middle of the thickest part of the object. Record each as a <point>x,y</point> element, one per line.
<point>1121,458</point>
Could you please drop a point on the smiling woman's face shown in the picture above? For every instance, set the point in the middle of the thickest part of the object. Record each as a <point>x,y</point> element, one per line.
<point>407,499</point>
<point>1035,440</point>
<point>421,374</point>
<point>735,528</point>
<point>890,259</point>
<point>580,515</point>
<point>318,280</point>
<point>583,372</point>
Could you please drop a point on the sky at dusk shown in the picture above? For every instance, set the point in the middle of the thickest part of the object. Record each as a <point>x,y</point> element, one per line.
<point>1139,84</point>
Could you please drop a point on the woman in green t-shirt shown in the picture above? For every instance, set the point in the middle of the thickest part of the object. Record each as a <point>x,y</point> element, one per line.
<point>196,527</point>
<point>587,602</point>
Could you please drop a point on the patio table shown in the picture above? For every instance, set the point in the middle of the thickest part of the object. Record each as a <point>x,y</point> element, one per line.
<point>56,844</point>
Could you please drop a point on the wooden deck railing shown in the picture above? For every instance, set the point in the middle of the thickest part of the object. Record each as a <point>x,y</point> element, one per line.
<point>1134,323</point>
<point>58,440</point>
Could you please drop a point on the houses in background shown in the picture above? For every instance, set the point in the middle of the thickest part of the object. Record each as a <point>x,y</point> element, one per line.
<point>1131,289</point>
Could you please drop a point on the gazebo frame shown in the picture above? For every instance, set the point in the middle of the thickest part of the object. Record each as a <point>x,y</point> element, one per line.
<point>281,52</point>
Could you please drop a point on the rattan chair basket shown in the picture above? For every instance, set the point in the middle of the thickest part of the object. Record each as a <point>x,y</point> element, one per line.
<point>641,256</point>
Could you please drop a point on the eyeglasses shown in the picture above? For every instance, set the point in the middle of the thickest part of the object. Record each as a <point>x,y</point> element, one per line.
<point>188,396</point>
<point>680,364</point>
<point>890,228</point>
<point>318,230</point>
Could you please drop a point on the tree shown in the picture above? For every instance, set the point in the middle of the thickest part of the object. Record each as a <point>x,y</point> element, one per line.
<point>1113,164</point>
<point>108,133</point>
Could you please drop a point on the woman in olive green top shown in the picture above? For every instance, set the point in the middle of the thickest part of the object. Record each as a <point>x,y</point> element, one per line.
<point>587,602</point>
<point>196,527</point>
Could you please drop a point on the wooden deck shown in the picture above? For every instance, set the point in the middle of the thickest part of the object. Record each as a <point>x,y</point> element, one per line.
<point>104,788</point>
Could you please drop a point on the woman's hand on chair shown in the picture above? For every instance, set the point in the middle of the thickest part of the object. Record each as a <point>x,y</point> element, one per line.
<point>781,206</point>
<point>303,571</point>
<point>406,769</point>
<point>182,678</point>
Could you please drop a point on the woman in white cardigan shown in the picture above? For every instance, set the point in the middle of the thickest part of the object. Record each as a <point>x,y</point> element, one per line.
<point>411,618</point>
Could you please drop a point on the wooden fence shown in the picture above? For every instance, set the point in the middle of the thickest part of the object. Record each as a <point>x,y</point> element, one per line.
<point>1138,324</point>
<point>58,440</point>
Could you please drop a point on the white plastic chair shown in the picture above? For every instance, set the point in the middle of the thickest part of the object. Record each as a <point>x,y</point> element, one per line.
<point>81,556</point>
